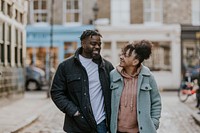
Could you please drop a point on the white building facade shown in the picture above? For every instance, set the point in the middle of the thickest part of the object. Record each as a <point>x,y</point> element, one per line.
<point>132,20</point>
<point>165,59</point>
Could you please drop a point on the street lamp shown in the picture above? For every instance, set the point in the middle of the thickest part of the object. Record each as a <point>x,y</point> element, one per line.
<point>95,11</point>
<point>51,48</point>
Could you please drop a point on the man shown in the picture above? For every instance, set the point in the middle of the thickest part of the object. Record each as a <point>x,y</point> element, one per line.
<point>80,87</point>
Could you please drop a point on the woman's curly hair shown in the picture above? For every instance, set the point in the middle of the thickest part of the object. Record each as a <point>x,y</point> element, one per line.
<point>141,48</point>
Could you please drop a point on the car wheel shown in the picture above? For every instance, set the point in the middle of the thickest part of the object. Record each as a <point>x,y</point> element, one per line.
<point>32,85</point>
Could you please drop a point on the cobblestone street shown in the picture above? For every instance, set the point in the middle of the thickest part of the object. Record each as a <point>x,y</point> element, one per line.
<point>175,118</point>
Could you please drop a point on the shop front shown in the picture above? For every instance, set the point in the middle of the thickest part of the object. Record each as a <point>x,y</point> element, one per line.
<point>46,50</point>
<point>165,61</point>
<point>190,47</point>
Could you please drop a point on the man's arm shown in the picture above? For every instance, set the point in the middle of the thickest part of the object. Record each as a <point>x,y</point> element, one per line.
<point>57,93</point>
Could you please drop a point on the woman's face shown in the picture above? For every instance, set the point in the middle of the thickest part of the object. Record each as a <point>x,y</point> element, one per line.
<point>128,61</point>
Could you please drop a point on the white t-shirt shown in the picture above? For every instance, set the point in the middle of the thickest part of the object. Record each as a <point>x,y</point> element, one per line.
<point>95,91</point>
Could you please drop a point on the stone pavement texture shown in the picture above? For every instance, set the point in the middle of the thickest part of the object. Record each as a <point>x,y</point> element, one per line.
<point>191,104</point>
<point>20,114</point>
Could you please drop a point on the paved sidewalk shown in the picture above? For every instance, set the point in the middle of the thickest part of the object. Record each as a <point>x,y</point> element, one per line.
<point>191,104</point>
<point>21,113</point>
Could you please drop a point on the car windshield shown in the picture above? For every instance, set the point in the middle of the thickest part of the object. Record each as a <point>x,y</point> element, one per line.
<point>36,69</point>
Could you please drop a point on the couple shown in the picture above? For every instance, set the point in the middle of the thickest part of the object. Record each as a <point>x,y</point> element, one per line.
<point>96,98</point>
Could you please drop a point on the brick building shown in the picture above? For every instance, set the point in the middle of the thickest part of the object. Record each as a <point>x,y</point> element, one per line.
<point>12,46</point>
<point>52,38</point>
<point>119,21</point>
<point>163,22</point>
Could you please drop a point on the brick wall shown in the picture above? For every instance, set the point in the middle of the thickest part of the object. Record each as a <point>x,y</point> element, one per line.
<point>87,11</point>
<point>58,12</point>
<point>177,11</point>
<point>105,10</point>
<point>136,9</point>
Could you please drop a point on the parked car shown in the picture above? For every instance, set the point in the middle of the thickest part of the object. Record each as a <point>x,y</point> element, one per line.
<point>35,78</point>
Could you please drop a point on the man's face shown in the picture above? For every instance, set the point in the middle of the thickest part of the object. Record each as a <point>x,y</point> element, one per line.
<point>91,47</point>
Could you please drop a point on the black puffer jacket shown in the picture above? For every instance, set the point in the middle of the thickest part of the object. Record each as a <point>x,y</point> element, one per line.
<point>70,92</point>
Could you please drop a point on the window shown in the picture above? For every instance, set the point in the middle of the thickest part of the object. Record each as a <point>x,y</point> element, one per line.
<point>9,10</point>
<point>72,11</point>
<point>21,56</point>
<point>106,48</point>
<point>1,31</point>
<point>29,55</point>
<point>190,53</point>
<point>2,6</point>
<point>16,46</point>
<point>40,56</point>
<point>69,48</point>
<point>16,15</point>
<point>153,11</point>
<point>16,36</point>
<point>8,53</point>
<point>39,11</point>
<point>8,43</point>
<point>196,12</point>
<point>21,18</point>
<point>160,59</point>
<point>21,43</point>
<point>1,53</point>
<point>1,43</point>
<point>16,55</point>
<point>120,12</point>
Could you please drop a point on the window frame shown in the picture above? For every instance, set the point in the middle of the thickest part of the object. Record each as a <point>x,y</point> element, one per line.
<point>161,58</point>
<point>8,43</point>
<point>39,11</point>
<point>73,11</point>
<point>2,56</point>
<point>152,11</point>
<point>120,14</point>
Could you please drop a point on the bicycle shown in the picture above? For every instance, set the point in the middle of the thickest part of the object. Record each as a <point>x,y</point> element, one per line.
<point>187,89</point>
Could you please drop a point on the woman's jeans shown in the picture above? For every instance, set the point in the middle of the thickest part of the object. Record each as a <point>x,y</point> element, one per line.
<point>101,127</point>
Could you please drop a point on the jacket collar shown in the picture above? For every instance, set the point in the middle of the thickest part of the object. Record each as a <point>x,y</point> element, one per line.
<point>100,62</point>
<point>144,72</point>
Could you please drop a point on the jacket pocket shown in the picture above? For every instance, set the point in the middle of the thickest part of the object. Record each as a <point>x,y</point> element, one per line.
<point>114,86</point>
<point>146,87</point>
<point>82,123</point>
<point>155,122</point>
<point>74,82</point>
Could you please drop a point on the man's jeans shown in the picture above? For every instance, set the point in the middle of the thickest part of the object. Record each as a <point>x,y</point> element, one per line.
<point>101,127</point>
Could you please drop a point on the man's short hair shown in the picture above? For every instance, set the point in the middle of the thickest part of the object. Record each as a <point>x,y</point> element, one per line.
<point>89,33</point>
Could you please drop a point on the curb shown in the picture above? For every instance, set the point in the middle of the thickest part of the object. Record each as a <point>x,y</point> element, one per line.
<point>23,124</point>
<point>193,113</point>
<point>196,117</point>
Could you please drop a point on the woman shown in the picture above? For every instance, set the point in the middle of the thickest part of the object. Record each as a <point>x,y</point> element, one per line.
<point>135,102</point>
